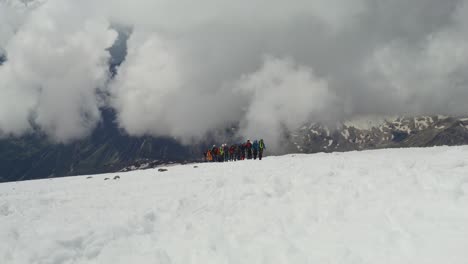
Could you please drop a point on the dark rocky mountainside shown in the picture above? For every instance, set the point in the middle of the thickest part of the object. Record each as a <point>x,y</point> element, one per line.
<point>399,132</point>
<point>106,150</point>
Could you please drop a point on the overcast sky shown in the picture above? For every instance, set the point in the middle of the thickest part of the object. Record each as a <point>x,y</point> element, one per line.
<point>196,66</point>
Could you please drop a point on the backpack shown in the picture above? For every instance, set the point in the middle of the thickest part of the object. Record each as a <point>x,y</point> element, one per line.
<point>255,145</point>
<point>261,145</point>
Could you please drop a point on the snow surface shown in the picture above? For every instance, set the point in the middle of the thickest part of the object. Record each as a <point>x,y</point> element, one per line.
<point>345,134</point>
<point>422,122</point>
<point>315,132</point>
<point>385,206</point>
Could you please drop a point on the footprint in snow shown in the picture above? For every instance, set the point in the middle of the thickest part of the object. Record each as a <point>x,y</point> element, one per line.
<point>5,210</point>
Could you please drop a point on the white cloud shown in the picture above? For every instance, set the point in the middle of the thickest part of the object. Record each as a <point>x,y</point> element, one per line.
<point>56,62</point>
<point>153,94</point>
<point>282,93</point>
<point>345,58</point>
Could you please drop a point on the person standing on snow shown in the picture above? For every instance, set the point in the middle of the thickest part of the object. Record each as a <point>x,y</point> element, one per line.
<point>248,148</point>
<point>209,157</point>
<point>226,152</point>
<point>240,150</point>
<point>221,153</point>
<point>261,148</point>
<point>214,153</point>
<point>255,149</point>
<point>232,153</point>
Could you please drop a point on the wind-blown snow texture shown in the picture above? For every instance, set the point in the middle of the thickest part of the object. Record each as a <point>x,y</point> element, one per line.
<point>385,206</point>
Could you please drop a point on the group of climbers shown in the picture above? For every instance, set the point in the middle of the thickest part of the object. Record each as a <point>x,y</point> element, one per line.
<point>235,152</point>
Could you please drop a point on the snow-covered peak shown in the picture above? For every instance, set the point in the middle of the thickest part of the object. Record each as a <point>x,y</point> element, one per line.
<point>370,132</point>
<point>368,122</point>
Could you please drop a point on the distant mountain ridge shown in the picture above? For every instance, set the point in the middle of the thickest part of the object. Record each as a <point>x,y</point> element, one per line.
<point>108,149</point>
<point>400,132</point>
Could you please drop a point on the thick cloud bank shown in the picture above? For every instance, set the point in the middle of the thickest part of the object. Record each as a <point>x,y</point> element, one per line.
<point>282,94</point>
<point>193,67</point>
<point>56,62</point>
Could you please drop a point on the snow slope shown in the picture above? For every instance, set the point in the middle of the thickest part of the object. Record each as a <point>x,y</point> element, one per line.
<point>385,206</point>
